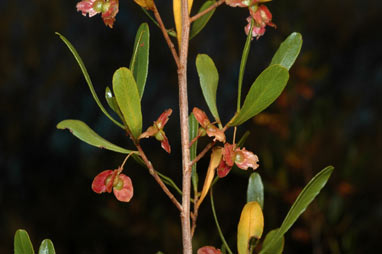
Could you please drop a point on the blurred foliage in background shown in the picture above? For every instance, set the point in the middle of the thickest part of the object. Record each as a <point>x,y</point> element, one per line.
<point>330,113</point>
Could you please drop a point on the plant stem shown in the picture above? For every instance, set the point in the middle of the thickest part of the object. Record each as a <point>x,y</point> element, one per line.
<point>202,13</point>
<point>165,34</point>
<point>184,130</point>
<point>157,178</point>
<point>217,222</point>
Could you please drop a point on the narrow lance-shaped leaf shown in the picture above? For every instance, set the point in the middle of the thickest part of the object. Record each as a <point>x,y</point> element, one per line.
<point>88,80</point>
<point>255,189</point>
<point>22,243</point>
<point>288,51</point>
<point>209,78</point>
<point>139,64</point>
<point>243,64</point>
<point>128,99</point>
<point>46,247</point>
<point>277,247</point>
<point>200,23</point>
<point>263,92</point>
<point>111,101</point>
<point>214,163</point>
<point>310,191</point>
<point>243,138</point>
<point>193,128</point>
<point>82,131</point>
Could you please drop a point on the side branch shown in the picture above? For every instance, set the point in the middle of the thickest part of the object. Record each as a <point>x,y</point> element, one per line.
<point>157,178</point>
<point>165,34</point>
<point>202,153</point>
<point>202,13</point>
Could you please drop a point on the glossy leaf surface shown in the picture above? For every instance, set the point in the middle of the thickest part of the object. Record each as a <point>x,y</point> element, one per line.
<point>87,78</point>
<point>22,243</point>
<point>288,51</point>
<point>200,23</point>
<point>82,131</point>
<point>255,189</point>
<point>263,92</point>
<point>46,247</point>
<point>209,78</point>
<point>128,99</point>
<point>112,102</point>
<point>139,64</point>
<point>276,248</point>
<point>310,191</point>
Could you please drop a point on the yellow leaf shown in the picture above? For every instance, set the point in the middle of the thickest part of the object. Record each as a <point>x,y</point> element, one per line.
<point>178,16</point>
<point>250,226</point>
<point>216,156</point>
<point>147,4</point>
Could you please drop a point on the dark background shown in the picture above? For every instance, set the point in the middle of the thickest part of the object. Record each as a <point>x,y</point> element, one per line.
<point>329,114</point>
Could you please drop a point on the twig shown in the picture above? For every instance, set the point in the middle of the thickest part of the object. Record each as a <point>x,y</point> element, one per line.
<point>202,153</point>
<point>158,179</point>
<point>165,34</point>
<point>202,13</point>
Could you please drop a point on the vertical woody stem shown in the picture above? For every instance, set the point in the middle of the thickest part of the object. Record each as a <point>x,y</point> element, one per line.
<point>183,108</point>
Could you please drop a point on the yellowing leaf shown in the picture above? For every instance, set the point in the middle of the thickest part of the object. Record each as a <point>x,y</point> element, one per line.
<point>216,156</point>
<point>177,8</point>
<point>147,4</point>
<point>250,226</point>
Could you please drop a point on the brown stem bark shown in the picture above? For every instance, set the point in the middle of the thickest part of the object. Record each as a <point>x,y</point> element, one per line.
<point>183,108</point>
<point>165,35</point>
<point>202,13</point>
<point>157,178</point>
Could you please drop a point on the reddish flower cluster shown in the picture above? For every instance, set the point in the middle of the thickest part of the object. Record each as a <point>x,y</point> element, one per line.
<point>156,130</point>
<point>108,8</point>
<point>259,13</point>
<point>109,180</point>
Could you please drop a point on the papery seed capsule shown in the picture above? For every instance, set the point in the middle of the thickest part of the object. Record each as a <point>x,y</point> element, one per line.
<point>250,226</point>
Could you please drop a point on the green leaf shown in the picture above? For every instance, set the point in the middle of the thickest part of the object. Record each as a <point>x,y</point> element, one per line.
<point>243,138</point>
<point>82,131</point>
<point>127,96</point>
<point>201,22</point>
<point>46,247</point>
<point>111,101</point>
<point>193,128</point>
<point>22,243</point>
<point>255,189</point>
<point>277,247</point>
<point>288,51</point>
<point>139,64</point>
<point>265,90</point>
<point>209,78</point>
<point>87,78</point>
<point>310,191</point>
<point>243,64</point>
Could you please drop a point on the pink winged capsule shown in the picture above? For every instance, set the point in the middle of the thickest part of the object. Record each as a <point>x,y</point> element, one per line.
<point>234,155</point>
<point>209,250</point>
<point>112,180</point>
<point>208,127</point>
<point>156,130</point>
<point>108,8</point>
